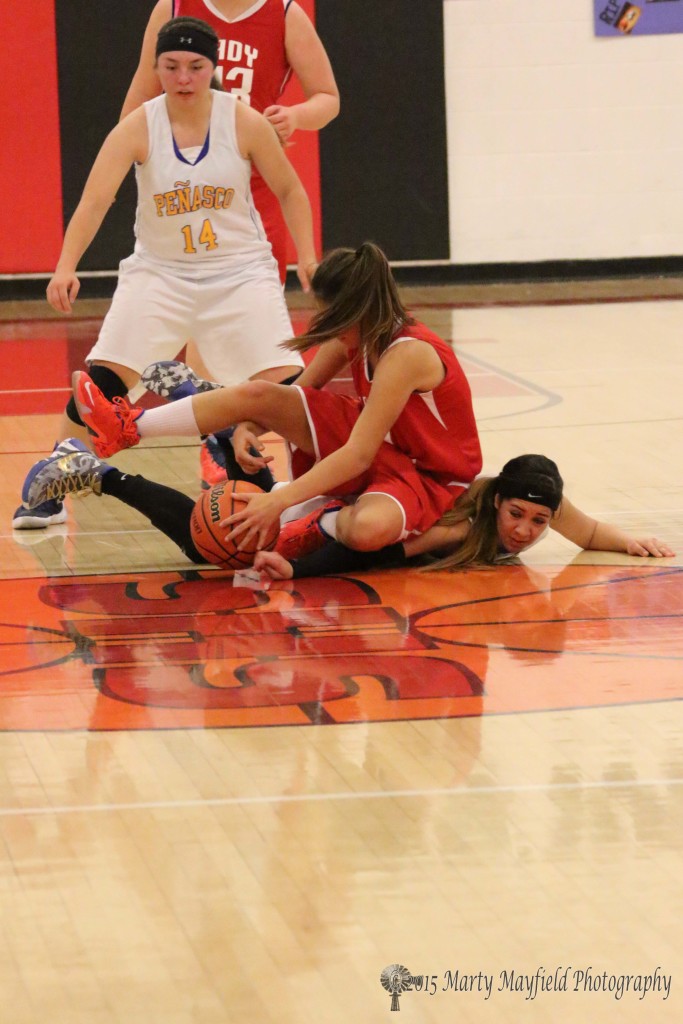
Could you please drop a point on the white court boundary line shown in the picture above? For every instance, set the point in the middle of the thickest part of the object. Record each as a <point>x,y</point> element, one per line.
<point>302,798</point>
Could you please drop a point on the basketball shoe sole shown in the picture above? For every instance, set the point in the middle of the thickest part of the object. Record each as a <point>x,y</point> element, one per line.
<point>48,513</point>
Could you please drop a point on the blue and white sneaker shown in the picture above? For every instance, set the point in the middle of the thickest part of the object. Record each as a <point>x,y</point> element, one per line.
<point>49,513</point>
<point>173,380</point>
<point>71,469</point>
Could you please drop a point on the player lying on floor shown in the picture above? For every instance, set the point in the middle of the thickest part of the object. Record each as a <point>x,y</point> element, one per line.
<point>494,521</point>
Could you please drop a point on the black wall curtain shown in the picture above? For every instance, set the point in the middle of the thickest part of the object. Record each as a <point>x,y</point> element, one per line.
<point>98,48</point>
<point>384,160</point>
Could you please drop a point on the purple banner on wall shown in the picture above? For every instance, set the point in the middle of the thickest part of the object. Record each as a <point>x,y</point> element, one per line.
<point>644,18</point>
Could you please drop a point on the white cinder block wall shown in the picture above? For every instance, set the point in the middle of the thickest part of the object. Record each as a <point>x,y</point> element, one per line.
<point>560,145</point>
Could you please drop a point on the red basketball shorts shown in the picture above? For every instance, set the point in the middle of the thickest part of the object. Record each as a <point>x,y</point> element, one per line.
<point>331,419</point>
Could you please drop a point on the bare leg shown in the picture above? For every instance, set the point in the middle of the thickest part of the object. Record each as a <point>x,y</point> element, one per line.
<point>224,451</point>
<point>274,406</point>
<point>372,523</point>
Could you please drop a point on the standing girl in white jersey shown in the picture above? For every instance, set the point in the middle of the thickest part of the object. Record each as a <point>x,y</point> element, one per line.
<point>202,265</point>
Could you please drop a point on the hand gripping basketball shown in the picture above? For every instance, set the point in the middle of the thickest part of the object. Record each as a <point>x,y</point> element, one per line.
<point>210,538</point>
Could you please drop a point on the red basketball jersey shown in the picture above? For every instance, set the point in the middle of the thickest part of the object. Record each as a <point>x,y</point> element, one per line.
<point>436,429</point>
<point>253,66</point>
<point>251,53</point>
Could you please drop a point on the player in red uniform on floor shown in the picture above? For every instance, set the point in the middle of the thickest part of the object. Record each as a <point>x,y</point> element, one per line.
<point>408,444</point>
<point>493,522</point>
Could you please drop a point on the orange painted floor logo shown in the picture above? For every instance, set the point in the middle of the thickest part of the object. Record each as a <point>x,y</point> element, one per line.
<point>190,650</point>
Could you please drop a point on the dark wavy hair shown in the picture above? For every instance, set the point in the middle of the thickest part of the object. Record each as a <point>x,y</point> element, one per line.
<point>355,287</point>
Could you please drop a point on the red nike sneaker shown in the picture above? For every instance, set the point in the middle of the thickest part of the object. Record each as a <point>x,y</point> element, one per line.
<point>303,536</point>
<point>112,424</point>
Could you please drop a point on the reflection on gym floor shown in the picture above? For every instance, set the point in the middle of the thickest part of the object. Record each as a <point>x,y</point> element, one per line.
<point>476,773</point>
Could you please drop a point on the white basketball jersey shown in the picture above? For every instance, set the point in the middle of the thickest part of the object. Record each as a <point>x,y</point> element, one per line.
<point>197,215</point>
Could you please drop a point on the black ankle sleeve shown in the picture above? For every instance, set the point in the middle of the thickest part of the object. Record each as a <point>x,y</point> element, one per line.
<point>335,558</point>
<point>167,509</point>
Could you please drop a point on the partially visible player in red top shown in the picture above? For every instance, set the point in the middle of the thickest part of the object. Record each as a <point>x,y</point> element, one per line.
<point>402,451</point>
<point>262,42</point>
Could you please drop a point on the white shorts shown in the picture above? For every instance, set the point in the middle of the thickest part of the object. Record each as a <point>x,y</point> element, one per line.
<point>237,320</point>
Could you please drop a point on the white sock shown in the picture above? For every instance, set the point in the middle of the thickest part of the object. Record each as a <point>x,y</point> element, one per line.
<point>328,523</point>
<point>173,420</point>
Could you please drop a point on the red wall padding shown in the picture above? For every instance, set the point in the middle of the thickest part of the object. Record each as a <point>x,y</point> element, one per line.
<point>30,167</point>
<point>30,159</point>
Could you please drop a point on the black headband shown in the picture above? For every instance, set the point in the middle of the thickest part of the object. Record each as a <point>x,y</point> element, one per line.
<point>538,488</point>
<point>191,38</point>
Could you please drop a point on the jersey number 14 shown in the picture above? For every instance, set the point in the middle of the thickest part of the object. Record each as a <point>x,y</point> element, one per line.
<point>207,237</point>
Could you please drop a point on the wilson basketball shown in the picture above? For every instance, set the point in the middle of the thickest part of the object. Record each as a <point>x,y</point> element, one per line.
<point>209,537</point>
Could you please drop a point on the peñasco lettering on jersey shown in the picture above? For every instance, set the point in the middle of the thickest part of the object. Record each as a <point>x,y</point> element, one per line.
<point>185,198</point>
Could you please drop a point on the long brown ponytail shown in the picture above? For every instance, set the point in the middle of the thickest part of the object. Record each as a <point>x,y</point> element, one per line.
<point>355,287</point>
